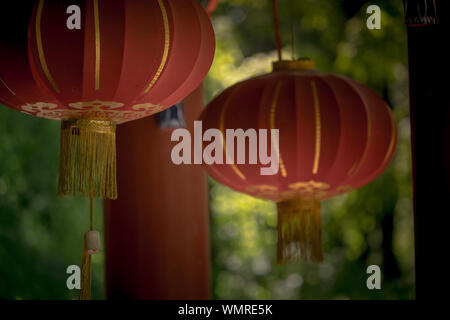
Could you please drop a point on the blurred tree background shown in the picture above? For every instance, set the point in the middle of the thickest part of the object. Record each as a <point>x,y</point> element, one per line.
<point>40,234</point>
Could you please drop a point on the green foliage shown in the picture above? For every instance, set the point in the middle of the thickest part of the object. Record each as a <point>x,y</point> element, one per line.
<point>40,234</point>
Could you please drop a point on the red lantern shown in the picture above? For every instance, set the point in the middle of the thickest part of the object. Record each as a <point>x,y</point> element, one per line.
<point>96,63</point>
<point>130,59</point>
<point>335,135</point>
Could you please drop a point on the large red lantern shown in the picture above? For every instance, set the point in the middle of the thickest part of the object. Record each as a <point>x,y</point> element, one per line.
<point>128,60</point>
<point>335,135</point>
<point>93,64</point>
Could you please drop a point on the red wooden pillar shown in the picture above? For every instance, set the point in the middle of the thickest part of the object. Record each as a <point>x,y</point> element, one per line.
<point>157,231</point>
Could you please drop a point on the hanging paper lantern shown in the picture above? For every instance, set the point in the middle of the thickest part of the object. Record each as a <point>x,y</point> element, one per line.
<point>335,135</point>
<point>130,59</point>
<point>127,59</point>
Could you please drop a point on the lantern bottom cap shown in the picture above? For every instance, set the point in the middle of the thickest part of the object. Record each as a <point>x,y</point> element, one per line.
<point>87,165</point>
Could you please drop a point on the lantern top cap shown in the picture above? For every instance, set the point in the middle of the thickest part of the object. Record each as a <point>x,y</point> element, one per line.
<point>294,65</point>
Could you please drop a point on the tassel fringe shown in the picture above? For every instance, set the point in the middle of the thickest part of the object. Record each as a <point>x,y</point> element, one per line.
<point>87,164</point>
<point>299,231</point>
<point>86,274</point>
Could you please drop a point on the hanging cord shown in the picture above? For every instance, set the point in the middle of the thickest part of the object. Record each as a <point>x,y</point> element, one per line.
<point>292,30</point>
<point>91,203</point>
<point>277,29</point>
<point>211,7</point>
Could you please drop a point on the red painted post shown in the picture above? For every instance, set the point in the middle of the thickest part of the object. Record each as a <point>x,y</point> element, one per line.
<point>157,231</point>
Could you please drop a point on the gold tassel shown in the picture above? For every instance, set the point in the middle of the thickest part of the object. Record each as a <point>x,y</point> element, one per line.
<point>88,158</point>
<point>299,231</point>
<point>86,274</point>
<point>91,245</point>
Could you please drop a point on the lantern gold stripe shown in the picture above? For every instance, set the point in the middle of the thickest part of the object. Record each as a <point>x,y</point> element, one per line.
<point>356,167</point>
<point>318,128</point>
<point>352,169</point>
<point>97,45</point>
<point>166,46</point>
<point>391,142</point>
<point>6,86</point>
<point>273,109</point>
<point>41,48</point>
<point>222,129</point>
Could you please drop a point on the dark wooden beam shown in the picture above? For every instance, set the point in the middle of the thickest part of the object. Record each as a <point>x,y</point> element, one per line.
<point>428,51</point>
